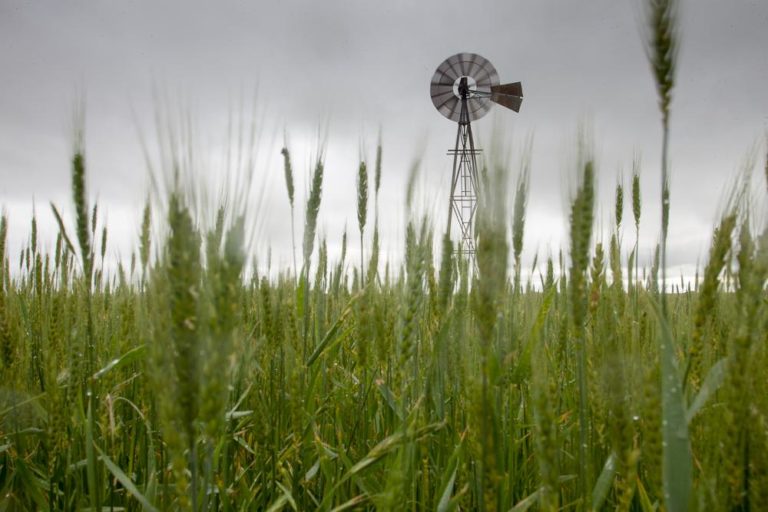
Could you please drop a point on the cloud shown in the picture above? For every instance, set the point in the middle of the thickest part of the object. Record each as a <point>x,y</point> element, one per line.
<point>361,66</point>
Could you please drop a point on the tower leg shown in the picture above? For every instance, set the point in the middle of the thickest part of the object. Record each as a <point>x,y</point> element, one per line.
<point>464,185</point>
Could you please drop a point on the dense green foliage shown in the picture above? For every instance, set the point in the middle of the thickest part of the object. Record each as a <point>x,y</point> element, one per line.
<point>184,383</point>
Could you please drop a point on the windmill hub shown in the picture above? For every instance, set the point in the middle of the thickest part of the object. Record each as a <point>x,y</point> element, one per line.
<point>462,89</point>
<point>464,86</point>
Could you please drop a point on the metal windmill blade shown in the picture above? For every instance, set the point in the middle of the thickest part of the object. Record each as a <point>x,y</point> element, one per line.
<point>444,87</point>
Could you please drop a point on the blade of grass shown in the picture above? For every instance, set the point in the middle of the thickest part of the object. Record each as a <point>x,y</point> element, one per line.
<point>125,480</point>
<point>711,383</point>
<point>331,334</point>
<point>604,481</point>
<point>129,357</point>
<point>351,503</point>
<point>677,467</point>
<point>90,456</point>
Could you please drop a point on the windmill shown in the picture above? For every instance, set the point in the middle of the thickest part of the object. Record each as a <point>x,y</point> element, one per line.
<point>462,89</point>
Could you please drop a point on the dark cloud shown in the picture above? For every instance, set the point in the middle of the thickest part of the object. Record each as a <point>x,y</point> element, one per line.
<point>358,66</point>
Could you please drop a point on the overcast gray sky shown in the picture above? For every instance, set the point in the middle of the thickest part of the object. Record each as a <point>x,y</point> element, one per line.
<point>360,66</point>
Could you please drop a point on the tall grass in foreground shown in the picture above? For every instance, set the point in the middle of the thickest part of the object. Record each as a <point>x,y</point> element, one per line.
<point>430,387</point>
<point>677,464</point>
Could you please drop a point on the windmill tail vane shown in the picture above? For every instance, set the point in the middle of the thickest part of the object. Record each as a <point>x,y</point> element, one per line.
<point>463,89</point>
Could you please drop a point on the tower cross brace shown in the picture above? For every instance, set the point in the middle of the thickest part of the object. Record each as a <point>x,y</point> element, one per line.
<point>464,178</point>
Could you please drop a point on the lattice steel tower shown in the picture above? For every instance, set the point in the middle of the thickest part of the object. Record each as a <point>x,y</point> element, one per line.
<point>462,89</point>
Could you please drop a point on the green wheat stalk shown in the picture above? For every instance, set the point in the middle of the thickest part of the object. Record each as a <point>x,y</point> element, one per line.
<point>362,208</point>
<point>661,49</point>
<point>288,173</point>
<point>518,221</point>
<point>581,219</point>
<point>310,229</point>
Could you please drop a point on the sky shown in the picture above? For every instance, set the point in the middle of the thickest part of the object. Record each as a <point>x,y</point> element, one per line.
<point>336,74</point>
